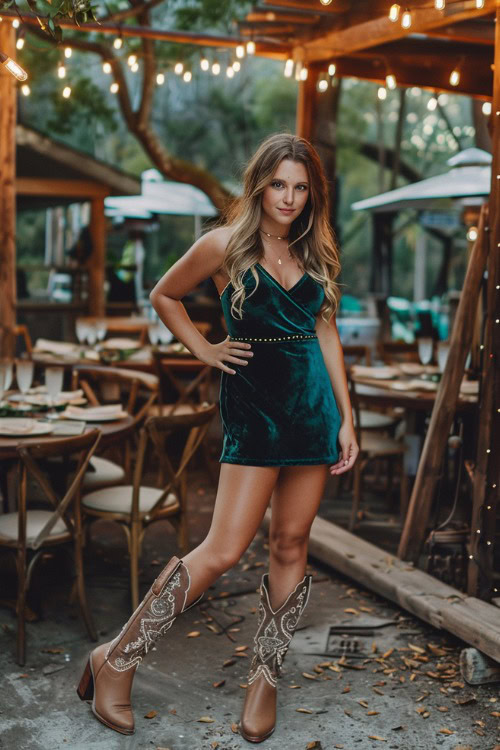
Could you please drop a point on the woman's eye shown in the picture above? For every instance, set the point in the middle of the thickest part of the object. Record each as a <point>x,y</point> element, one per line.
<point>302,187</point>
<point>276,183</point>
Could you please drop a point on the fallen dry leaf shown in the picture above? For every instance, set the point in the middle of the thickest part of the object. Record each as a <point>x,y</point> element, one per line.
<point>496,714</point>
<point>228,662</point>
<point>387,653</point>
<point>363,703</point>
<point>240,648</point>
<point>193,634</point>
<point>379,692</point>
<point>309,676</point>
<point>243,685</point>
<point>347,689</point>
<point>443,709</point>
<point>304,711</point>
<point>444,730</point>
<point>150,714</point>
<point>351,611</point>
<point>376,737</point>
<point>314,745</point>
<point>206,720</point>
<point>235,729</point>
<point>218,684</point>
<point>372,713</point>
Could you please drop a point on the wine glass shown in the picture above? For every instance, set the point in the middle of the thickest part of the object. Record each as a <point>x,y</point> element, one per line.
<point>442,355</point>
<point>101,329</point>
<point>7,365</point>
<point>53,382</point>
<point>91,334</point>
<point>3,375</point>
<point>81,328</point>
<point>154,333</point>
<point>24,374</point>
<point>425,350</point>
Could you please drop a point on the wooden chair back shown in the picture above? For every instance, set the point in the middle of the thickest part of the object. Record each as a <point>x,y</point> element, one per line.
<point>392,352</point>
<point>172,478</point>
<point>82,447</point>
<point>195,392</point>
<point>130,384</point>
<point>23,332</point>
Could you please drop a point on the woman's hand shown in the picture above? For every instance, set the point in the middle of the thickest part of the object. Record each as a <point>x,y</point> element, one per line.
<point>226,351</point>
<point>349,449</point>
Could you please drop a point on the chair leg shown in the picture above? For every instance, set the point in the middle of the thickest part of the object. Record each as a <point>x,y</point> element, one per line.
<point>403,492</point>
<point>134,564</point>
<point>81,591</point>
<point>21,606</point>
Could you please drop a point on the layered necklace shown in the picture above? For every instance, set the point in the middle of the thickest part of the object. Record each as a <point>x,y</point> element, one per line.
<point>277,237</point>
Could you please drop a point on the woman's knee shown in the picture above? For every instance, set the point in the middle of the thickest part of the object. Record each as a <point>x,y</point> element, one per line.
<point>288,547</point>
<point>221,559</point>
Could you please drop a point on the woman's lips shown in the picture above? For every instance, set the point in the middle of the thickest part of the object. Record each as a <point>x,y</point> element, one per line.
<point>287,210</point>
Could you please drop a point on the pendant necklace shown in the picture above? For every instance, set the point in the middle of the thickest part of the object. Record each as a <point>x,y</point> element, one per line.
<point>276,237</point>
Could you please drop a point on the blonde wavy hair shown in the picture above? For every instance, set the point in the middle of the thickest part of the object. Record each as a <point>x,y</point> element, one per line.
<point>312,242</point>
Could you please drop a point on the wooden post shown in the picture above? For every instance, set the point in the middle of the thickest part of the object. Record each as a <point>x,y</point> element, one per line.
<point>7,196</point>
<point>486,481</point>
<point>97,261</point>
<point>324,137</point>
<point>306,104</point>
<point>443,412</point>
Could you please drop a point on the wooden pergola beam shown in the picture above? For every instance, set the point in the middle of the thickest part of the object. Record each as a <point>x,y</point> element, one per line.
<point>78,189</point>
<point>381,30</point>
<point>473,33</point>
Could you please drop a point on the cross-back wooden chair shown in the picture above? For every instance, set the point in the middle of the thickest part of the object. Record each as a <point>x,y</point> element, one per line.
<point>137,505</point>
<point>375,445</point>
<point>58,522</point>
<point>136,390</point>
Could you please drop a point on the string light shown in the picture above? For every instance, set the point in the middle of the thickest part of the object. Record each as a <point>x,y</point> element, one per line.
<point>204,64</point>
<point>16,23</point>
<point>304,73</point>
<point>382,93</point>
<point>114,87</point>
<point>187,76</point>
<point>486,108</point>
<point>230,71</point>
<point>455,77</point>
<point>61,71</point>
<point>118,42</point>
<point>20,42</point>
<point>406,19</point>
<point>13,67</point>
<point>66,92</point>
<point>251,47</point>
<point>134,67</point>
<point>288,68</point>
<point>160,79</point>
<point>322,85</point>
<point>390,80</point>
<point>394,12</point>
<point>178,68</point>
<point>131,59</point>
<point>439,4</point>
<point>240,51</point>
<point>479,4</point>
<point>325,2</point>
<point>106,67</point>
<point>432,104</point>
<point>236,66</point>
<point>25,89</point>
<point>332,69</point>
<point>215,68</point>
<point>68,52</point>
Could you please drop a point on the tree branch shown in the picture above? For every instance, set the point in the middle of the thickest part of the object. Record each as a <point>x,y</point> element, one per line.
<point>122,15</point>
<point>148,78</point>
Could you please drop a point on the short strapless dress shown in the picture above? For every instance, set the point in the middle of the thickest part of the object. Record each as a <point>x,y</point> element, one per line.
<point>280,409</point>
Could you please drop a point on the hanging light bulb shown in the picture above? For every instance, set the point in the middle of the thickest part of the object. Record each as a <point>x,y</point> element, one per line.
<point>114,87</point>
<point>68,52</point>
<point>215,68</point>
<point>406,19</point>
<point>322,85</point>
<point>472,234</point>
<point>66,92</point>
<point>236,66</point>
<point>432,104</point>
<point>394,12</point>
<point>106,67</point>
<point>298,69</point>
<point>390,80</point>
<point>325,2</point>
<point>304,73</point>
<point>20,42</point>
<point>288,68</point>
<point>131,59</point>
<point>25,90</point>
<point>240,51</point>
<point>439,4</point>
<point>251,47</point>
<point>16,23</point>
<point>382,93</point>
<point>61,71</point>
<point>204,64</point>
<point>455,77</point>
<point>118,42</point>
<point>332,69</point>
<point>479,4</point>
<point>160,79</point>
<point>486,108</point>
<point>178,68</point>
<point>134,68</point>
<point>230,71</point>
<point>187,76</point>
<point>13,67</point>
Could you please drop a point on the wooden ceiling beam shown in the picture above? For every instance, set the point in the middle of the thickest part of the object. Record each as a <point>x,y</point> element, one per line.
<point>338,6</point>
<point>381,30</point>
<point>476,81</point>
<point>264,15</point>
<point>474,33</point>
<point>431,51</point>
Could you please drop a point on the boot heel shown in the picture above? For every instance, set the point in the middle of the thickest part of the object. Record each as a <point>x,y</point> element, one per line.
<point>85,689</point>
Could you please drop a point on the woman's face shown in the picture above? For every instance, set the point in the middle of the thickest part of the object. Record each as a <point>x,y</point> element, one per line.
<point>286,195</point>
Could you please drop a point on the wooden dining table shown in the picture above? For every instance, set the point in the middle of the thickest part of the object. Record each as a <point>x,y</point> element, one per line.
<point>371,391</point>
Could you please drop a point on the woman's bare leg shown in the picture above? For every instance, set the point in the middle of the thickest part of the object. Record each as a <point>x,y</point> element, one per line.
<point>243,496</point>
<point>294,505</point>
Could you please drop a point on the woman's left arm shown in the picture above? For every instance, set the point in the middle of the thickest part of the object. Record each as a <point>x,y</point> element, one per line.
<point>333,355</point>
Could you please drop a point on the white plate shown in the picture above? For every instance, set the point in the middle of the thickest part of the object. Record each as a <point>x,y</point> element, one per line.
<point>378,373</point>
<point>120,344</point>
<point>20,427</point>
<point>95,418</point>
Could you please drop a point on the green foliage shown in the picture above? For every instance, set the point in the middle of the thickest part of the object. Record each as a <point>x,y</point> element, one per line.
<point>87,102</point>
<point>197,15</point>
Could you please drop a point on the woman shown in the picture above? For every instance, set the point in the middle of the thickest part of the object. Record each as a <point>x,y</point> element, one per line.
<point>285,412</point>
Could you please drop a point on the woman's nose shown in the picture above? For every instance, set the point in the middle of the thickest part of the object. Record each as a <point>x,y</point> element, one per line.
<point>289,196</point>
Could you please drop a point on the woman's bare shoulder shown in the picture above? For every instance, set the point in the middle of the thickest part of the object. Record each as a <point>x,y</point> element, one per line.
<point>217,241</point>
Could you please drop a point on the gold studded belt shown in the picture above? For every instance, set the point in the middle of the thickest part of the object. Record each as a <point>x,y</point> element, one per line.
<point>295,337</point>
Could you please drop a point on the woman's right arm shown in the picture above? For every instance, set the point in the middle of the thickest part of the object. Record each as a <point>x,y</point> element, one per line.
<point>203,259</point>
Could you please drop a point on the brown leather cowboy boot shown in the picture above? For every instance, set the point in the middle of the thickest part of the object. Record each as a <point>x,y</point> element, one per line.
<point>272,639</point>
<point>108,676</point>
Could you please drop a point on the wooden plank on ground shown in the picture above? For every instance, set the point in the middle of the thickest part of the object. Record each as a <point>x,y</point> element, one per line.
<point>474,621</point>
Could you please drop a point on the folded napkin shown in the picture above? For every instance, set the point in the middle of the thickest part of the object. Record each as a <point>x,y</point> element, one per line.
<point>95,412</point>
<point>54,347</point>
<point>382,373</point>
<point>469,387</point>
<point>121,344</point>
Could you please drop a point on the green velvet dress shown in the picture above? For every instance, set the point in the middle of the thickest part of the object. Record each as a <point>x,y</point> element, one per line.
<point>280,409</point>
